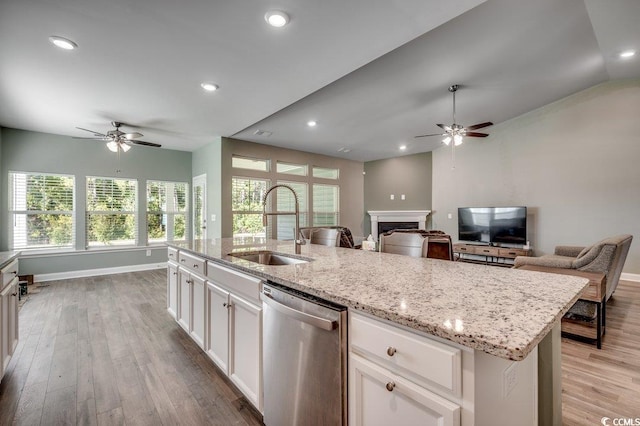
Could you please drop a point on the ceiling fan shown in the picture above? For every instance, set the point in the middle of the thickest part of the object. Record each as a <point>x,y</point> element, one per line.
<point>456,132</point>
<point>118,140</point>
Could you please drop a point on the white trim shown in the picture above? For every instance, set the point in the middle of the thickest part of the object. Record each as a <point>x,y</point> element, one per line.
<point>630,277</point>
<point>95,272</point>
<point>419,216</point>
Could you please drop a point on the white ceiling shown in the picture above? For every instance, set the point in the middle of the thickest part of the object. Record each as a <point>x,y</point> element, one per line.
<point>373,73</point>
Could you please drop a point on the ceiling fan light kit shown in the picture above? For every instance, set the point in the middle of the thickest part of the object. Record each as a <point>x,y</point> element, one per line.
<point>456,132</point>
<point>118,140</point>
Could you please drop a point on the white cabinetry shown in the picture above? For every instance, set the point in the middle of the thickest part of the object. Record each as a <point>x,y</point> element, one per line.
<point>221,310</point>
<point>191,296</point>
<point>217,342</point>
<point>245,348</point>
<point>399,376</point>
<point>234,333</point>
<point>380,397</point>
<point>8,314</point>
<point>172,288</point>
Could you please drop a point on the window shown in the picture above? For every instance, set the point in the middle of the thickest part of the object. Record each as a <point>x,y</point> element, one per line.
<point>111,211</point>
<point>166,211</point>
<point>42,211</point>
<point>246,206</point>
<point>249,163</point>
<point>326,205</point>
<point>325,173</point>
<point>291,169</point>
<point>286,203</point>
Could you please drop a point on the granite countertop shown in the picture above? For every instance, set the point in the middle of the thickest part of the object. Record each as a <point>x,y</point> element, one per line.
<point>504,312</point>
<point>7,256</point>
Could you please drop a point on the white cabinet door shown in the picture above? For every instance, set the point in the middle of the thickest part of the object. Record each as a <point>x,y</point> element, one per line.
<point>245,354</point>
<point>198,301</point>
<point>8,323</point>
<point>13,317</point>
<point>172,289</point>
<point>379,397</point>
<point>217,341</point>
<point>184,300</point>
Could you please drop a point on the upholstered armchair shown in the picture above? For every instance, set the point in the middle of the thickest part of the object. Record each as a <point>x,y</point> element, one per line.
<point>606,256</point>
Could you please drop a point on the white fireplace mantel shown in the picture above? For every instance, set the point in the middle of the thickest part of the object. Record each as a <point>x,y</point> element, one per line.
<point>419,216</point>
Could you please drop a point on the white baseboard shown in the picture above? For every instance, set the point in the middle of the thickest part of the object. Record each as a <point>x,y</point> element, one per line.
<point>95,272</point>
<point>630,277</point>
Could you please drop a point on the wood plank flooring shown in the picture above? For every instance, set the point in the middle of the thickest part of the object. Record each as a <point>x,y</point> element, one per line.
<point>103,350</point>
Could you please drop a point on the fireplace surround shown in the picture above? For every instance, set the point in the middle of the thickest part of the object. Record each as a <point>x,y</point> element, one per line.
<point>404,217</point>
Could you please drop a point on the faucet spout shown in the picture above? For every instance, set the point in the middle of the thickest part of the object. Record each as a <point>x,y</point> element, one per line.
<point>297,240</point>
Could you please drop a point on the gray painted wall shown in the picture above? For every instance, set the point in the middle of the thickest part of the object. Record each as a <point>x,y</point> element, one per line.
<point>574,163</point>
<point>350,181</point>
<point>409,175</point>
<point>207,160</point>
<point>40,152</point>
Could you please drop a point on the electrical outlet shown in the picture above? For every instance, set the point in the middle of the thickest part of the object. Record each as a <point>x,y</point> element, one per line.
<point>148,252</point>
<point>510,379</point>
<point>213,218</point>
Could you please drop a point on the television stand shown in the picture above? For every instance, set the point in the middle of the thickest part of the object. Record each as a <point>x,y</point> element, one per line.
<point>488,255</point>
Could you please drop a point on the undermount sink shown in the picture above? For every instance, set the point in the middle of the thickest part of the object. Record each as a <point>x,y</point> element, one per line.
<point>266,257</point>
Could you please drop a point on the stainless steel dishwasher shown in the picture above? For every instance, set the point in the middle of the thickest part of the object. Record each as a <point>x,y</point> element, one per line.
<point>304,359</point>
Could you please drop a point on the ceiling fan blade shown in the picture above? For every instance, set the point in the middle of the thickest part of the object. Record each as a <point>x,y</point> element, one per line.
<point>434,134</point>
<point>94,139</point>
<point>476,134</point>
<point>92,131</point>
<point>480,126</point>
<point>133,135</point>
<point>442,126</point>
<point>144,143</point>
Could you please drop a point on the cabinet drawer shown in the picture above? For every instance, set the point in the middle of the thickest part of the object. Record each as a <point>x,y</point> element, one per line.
<point>488,251</point>
<point>408,353</point>
<point>9,272</point>
<point>194,263</point>
<point>463,248</point>
<point>512,252</point>
<point>172,253</point>
<point>234,281</point>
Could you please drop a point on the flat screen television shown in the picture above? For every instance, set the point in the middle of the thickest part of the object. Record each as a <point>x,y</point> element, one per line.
<point>493,225</point>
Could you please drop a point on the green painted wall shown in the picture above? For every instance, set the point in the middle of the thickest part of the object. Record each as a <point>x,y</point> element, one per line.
<point>207,160</point>
<point>410,175</point>
<point>41,152</point>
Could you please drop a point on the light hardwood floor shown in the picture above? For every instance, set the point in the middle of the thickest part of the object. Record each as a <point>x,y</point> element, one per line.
<point>103,350</point>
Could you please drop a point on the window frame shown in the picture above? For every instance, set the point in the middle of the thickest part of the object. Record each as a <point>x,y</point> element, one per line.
<point>169,215</point>
<point>336,211</point>
<point>242,157</point>
<point>267,232</point>
<point>13,213</point>
<point>89,245</point>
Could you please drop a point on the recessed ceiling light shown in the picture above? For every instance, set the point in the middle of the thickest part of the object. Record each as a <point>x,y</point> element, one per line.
<point>276,18</point>
<point>311,123</point>
<point>627,53</point>
<point>403,147</point>
<point>63,43</point>
<point>209,87</point>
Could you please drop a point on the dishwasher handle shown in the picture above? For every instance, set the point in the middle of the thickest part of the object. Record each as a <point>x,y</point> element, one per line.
<point>313,320</point>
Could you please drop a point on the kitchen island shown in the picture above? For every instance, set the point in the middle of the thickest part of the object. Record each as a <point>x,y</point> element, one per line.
<point>493,316</point>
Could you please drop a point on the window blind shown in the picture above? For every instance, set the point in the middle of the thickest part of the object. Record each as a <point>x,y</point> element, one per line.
<point>167,211</point>
<point>111,211</point>
<point>286,203</point>
<point>326,209</point>
<point>246,206</point>
<point>42,210</point>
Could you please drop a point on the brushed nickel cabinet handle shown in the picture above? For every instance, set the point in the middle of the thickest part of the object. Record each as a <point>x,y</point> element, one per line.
<point>390,386</point>
<point>391,351</point>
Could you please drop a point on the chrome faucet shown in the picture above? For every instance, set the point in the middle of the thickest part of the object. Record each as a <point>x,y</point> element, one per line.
<point>297,240</point>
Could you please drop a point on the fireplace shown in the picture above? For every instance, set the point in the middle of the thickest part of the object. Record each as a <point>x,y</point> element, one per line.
<point>397,219</point>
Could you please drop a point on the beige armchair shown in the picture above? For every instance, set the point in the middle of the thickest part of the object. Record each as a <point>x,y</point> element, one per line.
<point>606,256</point>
